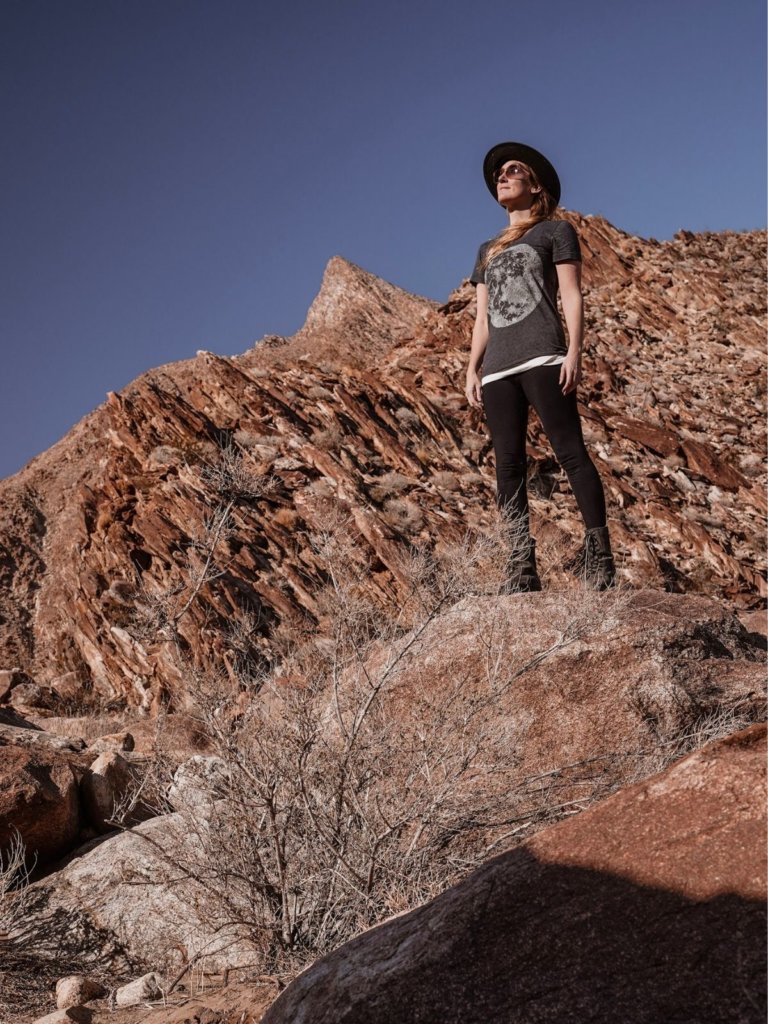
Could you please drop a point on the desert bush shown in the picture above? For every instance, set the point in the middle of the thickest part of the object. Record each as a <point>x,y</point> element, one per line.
<point>15,872</point>
<point>387,485</point>
<point>352,791</point>
<point>350,786</point>
<point>404,514</point>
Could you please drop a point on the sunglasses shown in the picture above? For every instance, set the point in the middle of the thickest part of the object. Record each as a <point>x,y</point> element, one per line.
<point>510,171</point>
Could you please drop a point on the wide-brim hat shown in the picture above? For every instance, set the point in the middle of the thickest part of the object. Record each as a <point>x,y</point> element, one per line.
<point>505,151</point>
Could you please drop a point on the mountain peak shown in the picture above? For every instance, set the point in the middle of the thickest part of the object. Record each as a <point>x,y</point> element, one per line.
<point>356,317</point>
<point>351,296</point>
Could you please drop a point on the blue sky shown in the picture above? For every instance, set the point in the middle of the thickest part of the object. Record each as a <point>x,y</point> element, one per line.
<point>177,173</point>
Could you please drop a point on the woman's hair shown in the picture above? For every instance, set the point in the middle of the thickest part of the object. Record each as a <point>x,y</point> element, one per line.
<point>542,208</point>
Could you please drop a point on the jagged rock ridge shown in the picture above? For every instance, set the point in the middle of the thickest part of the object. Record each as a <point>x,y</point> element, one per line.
<point>364,408</point>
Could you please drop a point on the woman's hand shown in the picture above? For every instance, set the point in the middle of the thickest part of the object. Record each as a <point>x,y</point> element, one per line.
<point>473,389</point>
<point>570,372</point>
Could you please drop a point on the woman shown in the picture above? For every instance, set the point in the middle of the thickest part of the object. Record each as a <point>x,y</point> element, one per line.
<point>519,339</point>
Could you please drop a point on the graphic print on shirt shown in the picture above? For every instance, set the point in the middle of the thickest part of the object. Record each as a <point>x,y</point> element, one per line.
<point>513,280</point>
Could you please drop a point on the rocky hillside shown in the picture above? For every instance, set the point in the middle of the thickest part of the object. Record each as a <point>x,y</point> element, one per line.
<point>364,409</point>
<point>259,690</point>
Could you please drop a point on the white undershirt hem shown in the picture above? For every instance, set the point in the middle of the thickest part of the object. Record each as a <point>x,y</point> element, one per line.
<point>553,360</point>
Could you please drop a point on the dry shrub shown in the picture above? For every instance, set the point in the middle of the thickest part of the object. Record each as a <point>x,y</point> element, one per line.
<point>403,514</point>
<point>349,786</point>
<point>351,790</point>
<point>387,484</point>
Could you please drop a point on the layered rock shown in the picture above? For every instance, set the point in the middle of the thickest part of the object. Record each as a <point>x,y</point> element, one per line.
<point>365,410</point>
<point>649,906</point>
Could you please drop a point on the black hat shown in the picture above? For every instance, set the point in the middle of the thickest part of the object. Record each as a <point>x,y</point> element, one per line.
<point>545,172</point>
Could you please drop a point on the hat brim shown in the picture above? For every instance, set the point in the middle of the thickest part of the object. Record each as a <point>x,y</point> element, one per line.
<point>504,151</point>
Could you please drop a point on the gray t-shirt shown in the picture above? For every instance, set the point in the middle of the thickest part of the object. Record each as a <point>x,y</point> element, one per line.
<point>523,319</point>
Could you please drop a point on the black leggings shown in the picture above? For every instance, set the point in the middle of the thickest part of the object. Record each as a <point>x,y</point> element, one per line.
<point>506,404</point>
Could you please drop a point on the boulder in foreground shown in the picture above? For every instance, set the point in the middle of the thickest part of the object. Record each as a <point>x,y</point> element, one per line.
<point>647,907</point>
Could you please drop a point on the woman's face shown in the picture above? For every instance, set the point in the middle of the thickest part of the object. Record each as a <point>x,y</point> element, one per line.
<point>513,184</point>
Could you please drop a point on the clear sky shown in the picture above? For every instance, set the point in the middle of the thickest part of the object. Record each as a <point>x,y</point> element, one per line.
<point>177,173</point>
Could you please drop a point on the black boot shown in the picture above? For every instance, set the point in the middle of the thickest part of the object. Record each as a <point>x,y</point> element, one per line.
<point>598,569</point>
<point>523,576</point>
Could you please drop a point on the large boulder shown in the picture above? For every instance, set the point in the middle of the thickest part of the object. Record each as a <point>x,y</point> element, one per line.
<point>123,901</point>
<point>39,800</point>
<point>615,683</point>
<point>648,907</point>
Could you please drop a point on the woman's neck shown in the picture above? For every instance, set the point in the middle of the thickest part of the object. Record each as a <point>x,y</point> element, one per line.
<point>517,217</point>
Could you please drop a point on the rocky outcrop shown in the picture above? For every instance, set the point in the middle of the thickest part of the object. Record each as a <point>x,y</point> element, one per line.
<point>364,410</point>
<point>586,697</point>
<point>355,315</point>
<point>38,800</point>
<point>647,907</point>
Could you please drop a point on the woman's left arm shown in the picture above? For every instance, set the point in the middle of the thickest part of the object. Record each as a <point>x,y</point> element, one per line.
<point>569,283</point>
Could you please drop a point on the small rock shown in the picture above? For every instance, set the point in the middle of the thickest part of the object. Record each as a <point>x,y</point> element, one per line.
<point>32,696</point>
<point>113,741</point>
<point>68,687</point>
<point>139,991</point>
<point>76,989</point>
<point>104,787</point>
<point>683,481</point>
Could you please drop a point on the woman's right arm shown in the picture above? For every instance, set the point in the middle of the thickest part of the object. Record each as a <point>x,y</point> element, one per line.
<point>479,342</point>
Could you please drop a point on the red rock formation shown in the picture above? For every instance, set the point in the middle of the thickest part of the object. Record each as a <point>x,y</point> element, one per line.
<point>39,801</point>
<point>637,674</point>
<point>365,408</point>
<point>648,907</point>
